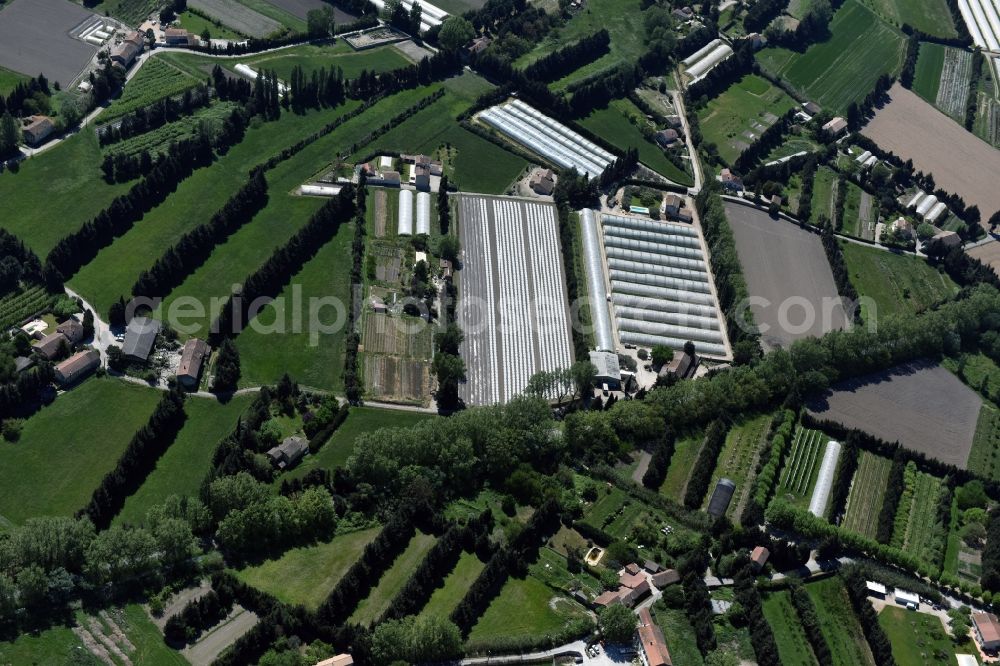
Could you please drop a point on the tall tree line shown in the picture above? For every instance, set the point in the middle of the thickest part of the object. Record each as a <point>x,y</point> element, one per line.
<point>270,278</point>
<point>138,460</point>
<point>194,247</point>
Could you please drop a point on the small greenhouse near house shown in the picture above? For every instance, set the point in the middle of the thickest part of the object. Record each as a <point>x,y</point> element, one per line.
<point>423,213</point>
<point>705,65</point>
<point>824,480</point>
<point>405,225</point>
<point>701,53</point>
<point>926,204</point>
<point>936,212</point>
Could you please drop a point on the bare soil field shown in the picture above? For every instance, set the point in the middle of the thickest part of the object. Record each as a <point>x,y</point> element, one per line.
<point>960,161</point>
<point>786,267</point>
<point>35,39</point>
<point>988,253</point>
<point>394,379</point>
<point>237,16</point>
<point>921,405</point>
<point>380,213</point>
<point>384,334</point>
<point>301,8</point>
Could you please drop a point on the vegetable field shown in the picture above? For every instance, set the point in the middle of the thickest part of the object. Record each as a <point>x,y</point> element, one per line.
<point>917,529</point>
<point>844,68</point>
<point>18,306</point>
<point>984,458</point>
<point>802,465</point>
<point>158,140</point>
<point>867,493</point>
<point>154,81</point>
<point>953,87</point>
<point>927,76</point>
<point>739,459</point>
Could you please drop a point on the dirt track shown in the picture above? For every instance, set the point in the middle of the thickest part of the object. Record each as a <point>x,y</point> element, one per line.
<point>922,405</point>
<point>960,161</point>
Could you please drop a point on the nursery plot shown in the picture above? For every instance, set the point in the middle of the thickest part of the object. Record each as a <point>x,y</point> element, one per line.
<point>802,465</point>
<point>397,380</point>
<point>867,493</point>
<point>384,334</point>
<point>953,89</point>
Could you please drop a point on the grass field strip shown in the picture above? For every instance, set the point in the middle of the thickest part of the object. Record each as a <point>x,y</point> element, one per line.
<point>867,493</point>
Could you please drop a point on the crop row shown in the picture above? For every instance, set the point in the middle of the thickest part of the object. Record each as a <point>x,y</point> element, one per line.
<point>901,521</point>
<point>867,490</point>
<point>953,91</point>
<point>925,536</point>
<point>804,455</point>
<point>16,307</point>
<point>154,81</point>
<point>158,139</point>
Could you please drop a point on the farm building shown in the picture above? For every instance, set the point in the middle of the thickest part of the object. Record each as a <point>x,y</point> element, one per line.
<point>904,598</point>
<point>876,590</point>
<point>37,129</point>
<point>671,205</point>
<point>420,176</point>
<point>50,345</point>
<point>72,329</point>
<point>758,557</point>
<point>661,288</point>
<point>192,358</point>
<point>946,239</point>
<point>139,338</point>
<point>405,224</point>
<point>22,363</point>
<point>436,167</point>
<point>289,452</point>
<point>835,127</point>
<point>721,497</point>
<point>77,366</point>
<point>423,213</point>
<point>730,181</point>
<point>339,660</point>
<point>966,660</point>
<point>176,37</point>
<point>552,140</point>
<point>681,366</point>
<point>824,480</point>
<point>667,137</point>
<point>608,372</point>
<point>542,181</point>
<point>512,272</point>
<point>664,578</point>
<point>609,598</point>
<point>124,54</point>
<point>987,630</point>
<point>652,645</point>
<point>903,227</point>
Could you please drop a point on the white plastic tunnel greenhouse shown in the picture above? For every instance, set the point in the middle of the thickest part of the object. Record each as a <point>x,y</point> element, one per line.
<point>423,213</point>
<point>824,481</point>
<point>645,340</point>
<point>405,227</point>
<point>601,318</point>
<point>662,304</point>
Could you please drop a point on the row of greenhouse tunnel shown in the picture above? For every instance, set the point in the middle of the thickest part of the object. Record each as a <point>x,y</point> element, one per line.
<point>660,289</point>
